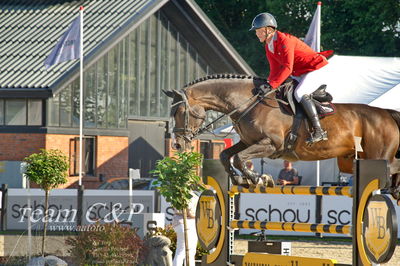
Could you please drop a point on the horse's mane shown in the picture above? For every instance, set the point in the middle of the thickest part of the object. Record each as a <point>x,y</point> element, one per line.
<point>226,76</point>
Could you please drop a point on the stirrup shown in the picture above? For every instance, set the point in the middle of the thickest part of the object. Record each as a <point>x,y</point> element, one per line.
<point>317,137</point>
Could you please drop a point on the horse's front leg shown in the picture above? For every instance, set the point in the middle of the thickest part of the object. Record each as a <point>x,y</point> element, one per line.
<point>225,157</point>
<point>263,148</point>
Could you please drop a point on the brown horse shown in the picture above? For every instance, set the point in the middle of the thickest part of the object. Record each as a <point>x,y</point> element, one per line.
<point>263,128</point>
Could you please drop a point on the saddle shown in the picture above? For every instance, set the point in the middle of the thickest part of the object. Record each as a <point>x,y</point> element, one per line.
<point>289,106</point>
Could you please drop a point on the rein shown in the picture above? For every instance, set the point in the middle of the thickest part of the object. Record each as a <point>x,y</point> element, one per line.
<point>190,134</point>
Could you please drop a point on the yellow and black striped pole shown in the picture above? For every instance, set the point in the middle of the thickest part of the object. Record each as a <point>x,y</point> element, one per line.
<point>293,227</point>
<point>295,190</point>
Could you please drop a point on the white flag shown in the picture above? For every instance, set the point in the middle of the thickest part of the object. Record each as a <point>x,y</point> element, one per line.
<point>313,37</point>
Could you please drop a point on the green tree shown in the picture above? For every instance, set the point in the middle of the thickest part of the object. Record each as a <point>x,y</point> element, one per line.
<point>48,169</point>
<point>350,27</point>
<point>177,178</point>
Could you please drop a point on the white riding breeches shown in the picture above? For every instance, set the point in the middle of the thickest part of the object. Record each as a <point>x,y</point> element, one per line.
<point>311,81</point>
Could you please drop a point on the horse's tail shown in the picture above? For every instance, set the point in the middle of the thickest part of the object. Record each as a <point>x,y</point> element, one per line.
<point>396,116</point>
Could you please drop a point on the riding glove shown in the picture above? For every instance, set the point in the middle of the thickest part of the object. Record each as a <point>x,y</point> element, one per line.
<point>263,89</point>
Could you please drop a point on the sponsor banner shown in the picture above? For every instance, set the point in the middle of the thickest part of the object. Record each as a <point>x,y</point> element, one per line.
<point>167,209</point>
<point>337,210</point>
<point>301,208</point>
<point>62,208</point>
<point>107,207</point>
<point>397,208</point>
<point>104,206</point>
<point>277,208</point>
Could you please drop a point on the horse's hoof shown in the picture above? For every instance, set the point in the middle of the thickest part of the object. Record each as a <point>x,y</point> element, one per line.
<point>243,181</point>
<point>234,180</point>
<point>252,186</point>
<point>267,180</point>
<point>238,180</point>
<point>255,179</point>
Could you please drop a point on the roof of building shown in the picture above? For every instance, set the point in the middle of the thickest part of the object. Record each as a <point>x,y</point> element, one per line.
<point>30,29</point>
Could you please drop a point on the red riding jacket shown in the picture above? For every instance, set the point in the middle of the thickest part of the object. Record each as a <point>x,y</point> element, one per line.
<point>291,56</point>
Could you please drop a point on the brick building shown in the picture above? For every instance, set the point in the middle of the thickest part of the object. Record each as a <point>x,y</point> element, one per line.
<point>132,50</point>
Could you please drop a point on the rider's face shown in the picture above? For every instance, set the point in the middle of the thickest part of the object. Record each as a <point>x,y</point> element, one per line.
<point>262,34</point>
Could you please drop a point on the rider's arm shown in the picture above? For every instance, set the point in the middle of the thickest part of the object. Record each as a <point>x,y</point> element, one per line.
<point>274,67</point>
<point>281,62</point>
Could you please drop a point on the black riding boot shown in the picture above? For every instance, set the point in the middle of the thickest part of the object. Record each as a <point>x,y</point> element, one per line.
<point>309,108</point>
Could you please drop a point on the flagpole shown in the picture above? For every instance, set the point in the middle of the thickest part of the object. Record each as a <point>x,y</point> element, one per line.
<point>81,95</point>
<point>318,49</point>
<point>319,27</point>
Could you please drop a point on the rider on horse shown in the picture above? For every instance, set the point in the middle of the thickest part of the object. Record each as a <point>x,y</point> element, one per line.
<point>288,55</point>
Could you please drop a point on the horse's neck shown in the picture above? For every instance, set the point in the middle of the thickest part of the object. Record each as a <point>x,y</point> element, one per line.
<point>221,98</point>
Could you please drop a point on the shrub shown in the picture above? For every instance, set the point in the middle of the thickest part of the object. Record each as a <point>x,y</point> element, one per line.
<point>169,232</point>
<point>113,244</point>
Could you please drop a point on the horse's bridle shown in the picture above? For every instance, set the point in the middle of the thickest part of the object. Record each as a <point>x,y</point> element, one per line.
<point>188,133</point>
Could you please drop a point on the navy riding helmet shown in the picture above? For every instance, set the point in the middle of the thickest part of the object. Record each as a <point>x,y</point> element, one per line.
<point>263,20</point>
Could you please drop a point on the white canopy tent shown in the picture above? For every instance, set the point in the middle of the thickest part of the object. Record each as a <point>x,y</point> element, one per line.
<point>357,79</point>
<point>368,80</point>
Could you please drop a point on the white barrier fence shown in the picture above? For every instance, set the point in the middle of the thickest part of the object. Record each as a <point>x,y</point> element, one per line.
<point>106,205</point>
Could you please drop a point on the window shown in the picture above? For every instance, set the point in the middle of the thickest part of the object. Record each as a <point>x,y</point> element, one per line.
<point>152,57</point>
<point>16,112</point>
<point>134,56</point>
<point>213,115</point>
<point>21,112</point>
<point>164,59</point>
<point>205,149</point>
<point>123,95</point>
<point>90,97</point>
<point>54,111</point>
<point>65,107</point>
<point>143,66</point>
<point>183,66</point>
<point>217,148</point>
<point>1,112</point>
<point>75,103</point>
<point>102,85</point>
<point>34,112</point>
<point>160,58</point>
<point>88,151</point>
<point>113,87</point>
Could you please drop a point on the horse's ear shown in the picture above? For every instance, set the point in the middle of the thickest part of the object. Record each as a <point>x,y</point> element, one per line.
<point>169,93</point>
